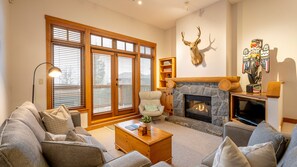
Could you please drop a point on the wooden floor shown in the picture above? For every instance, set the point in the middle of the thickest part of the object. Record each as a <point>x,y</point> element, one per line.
<point>288,127</point>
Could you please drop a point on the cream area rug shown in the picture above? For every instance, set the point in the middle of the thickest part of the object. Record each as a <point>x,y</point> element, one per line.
<point>189,146</point>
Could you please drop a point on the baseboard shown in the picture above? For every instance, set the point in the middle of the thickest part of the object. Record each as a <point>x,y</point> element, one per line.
<point>290,120</point>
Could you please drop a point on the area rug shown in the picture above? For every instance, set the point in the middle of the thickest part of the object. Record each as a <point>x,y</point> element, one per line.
<point>189,146</point>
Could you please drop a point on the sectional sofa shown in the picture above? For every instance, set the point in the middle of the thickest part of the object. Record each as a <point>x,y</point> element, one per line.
<point>22,144</point>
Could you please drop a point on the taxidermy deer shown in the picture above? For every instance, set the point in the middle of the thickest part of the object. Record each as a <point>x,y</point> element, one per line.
<point>195,54</point>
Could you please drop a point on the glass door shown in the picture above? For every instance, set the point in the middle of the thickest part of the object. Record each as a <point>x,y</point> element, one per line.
<point>125,83</point>
<point>113,84</point>
<point>103,93</point>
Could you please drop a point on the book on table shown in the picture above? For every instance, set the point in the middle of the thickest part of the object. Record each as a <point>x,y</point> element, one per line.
<point>132,127</point>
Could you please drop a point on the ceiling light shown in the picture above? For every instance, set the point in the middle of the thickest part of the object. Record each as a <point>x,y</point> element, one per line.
<point>139,2</point>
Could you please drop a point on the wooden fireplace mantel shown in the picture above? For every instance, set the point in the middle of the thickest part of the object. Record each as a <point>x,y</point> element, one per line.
<point>227,83</point>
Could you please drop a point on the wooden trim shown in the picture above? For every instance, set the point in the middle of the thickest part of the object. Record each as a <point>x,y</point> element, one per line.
<point>205,79</point>
<point>106,122</point>
<point>290,120</point>
<point>49,88</point>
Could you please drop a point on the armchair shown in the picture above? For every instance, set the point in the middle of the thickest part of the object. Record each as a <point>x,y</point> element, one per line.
<point>150,103</point>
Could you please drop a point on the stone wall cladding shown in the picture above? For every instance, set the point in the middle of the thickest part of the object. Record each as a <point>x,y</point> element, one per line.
<point>219,99</point>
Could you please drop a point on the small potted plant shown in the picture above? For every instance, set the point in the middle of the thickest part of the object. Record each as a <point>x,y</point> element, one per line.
<point>146,120</point>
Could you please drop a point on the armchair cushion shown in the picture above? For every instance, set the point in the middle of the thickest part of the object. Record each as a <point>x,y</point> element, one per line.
<point>266,133</point>
<point>151,107</point>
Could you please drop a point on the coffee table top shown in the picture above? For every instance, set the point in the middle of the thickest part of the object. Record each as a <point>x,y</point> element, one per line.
<point>153,136</point>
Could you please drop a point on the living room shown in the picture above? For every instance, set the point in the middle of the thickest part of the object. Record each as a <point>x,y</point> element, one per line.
<point>226,28</point>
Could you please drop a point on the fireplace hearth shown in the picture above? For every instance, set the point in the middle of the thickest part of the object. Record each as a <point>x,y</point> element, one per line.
<point>198,107</point>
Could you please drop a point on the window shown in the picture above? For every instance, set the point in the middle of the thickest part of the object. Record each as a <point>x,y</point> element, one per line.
<point>125,46</point>
<point>145,74</point>
<point>68,89</point>
<point>145,50</point>
<point>146,68</point>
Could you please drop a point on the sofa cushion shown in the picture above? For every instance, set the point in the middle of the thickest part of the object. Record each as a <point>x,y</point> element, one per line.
<point>24,115</point>
<point>292,144</point>
<point>19,146</point>
<point>290,160</point>
<point>57,121</point>
<point>132,159</point>
<point>266,133</point>
<point>151,107</point>
<point>72,154</point>
<point>229,155</point>
<point>31,107</point>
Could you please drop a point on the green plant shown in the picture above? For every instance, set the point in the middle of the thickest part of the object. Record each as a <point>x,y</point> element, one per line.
<point>146,119</point>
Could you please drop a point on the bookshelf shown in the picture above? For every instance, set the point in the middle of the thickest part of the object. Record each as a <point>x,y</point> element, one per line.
<point>167,70</point>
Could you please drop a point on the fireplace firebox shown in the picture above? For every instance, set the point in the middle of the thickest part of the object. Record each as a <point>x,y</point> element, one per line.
<point>198,107</point>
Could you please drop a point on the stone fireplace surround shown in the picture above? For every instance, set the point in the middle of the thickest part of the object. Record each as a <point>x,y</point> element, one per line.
<point>206,86</point>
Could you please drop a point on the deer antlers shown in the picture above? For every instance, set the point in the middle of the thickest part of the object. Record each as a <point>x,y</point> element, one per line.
<point>196,42</point>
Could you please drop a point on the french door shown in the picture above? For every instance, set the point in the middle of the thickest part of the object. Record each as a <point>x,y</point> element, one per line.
<point>113,84</point>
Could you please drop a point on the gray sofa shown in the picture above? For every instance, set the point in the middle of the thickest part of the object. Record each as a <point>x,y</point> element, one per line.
<point>22,144</point>
<point>240,135</point>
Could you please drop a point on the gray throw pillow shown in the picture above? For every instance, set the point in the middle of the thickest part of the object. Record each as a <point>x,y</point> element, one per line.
<point>57,121</point>
<point>260,155</point>
<point>266,133</point>
<point>52,137</point>
<point>72,136</point>
<point>72,154</point>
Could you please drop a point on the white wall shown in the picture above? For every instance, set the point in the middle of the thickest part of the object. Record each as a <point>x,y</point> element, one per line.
<point>275,22</point>
<point>28,45</point>
<point>4,8</point>
<point>213,22</point>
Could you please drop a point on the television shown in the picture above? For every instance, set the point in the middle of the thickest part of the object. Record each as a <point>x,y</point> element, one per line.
<point>248,111</point>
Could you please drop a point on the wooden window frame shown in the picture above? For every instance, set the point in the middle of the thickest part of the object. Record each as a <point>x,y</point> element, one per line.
<point>87,31</point>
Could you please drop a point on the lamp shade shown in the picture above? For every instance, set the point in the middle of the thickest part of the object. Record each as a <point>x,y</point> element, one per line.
<point>54,72</point>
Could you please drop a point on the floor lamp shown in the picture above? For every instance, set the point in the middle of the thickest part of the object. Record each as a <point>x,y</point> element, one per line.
<point>52,72</point>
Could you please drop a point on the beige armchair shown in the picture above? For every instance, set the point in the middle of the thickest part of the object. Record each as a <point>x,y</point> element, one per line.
<point>150,103</point>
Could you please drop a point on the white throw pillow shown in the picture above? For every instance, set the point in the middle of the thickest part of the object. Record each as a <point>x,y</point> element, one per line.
<point>259,155</point>
<point>57,121</point>
<point>229,155</point>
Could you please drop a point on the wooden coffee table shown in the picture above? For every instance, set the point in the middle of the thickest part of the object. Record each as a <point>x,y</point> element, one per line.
<point>157,145</point>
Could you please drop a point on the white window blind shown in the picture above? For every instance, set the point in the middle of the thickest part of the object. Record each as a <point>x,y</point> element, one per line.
<point>68,89</point>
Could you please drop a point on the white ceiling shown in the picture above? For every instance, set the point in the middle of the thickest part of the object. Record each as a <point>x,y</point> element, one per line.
<point>160,13</point>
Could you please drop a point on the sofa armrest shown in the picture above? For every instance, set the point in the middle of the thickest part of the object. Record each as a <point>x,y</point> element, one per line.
<point>141,108</point>
<point>239,133</point>
<point>75,115</point>
<point>132,159</point>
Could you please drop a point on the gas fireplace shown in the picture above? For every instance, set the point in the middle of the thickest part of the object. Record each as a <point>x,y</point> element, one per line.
<point>198,107</point>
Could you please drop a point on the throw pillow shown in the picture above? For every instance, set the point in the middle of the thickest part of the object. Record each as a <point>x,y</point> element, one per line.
<point>260,155</point>
<point>149,107</point>
<point>57,121</point>
<point>229,155</point>
<point>72,154</point>
<point>72,136</point>
<point>53,137</point>
<point>266,133</point>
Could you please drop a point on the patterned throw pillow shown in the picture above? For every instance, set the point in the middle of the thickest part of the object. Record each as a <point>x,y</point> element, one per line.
<point>149,107</point>
<point>57,121</point>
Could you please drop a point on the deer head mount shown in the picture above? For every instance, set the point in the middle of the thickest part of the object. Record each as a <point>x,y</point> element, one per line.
<point>195,54</point>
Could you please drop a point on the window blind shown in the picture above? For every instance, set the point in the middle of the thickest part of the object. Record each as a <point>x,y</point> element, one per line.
<point>68,89</point>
